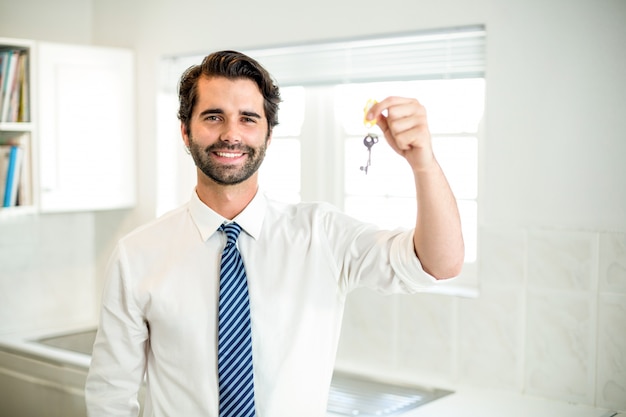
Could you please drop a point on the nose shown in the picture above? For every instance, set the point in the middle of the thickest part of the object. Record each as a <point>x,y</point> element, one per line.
<point>231,133</point>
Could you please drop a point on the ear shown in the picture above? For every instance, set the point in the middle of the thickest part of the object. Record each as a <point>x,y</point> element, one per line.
<point>184,134</point>
<point>268,139</point>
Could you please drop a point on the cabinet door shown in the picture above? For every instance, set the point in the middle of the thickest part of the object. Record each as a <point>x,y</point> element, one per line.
<point>86,127</point>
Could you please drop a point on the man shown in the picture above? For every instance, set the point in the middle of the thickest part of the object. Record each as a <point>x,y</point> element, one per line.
<point>159,316</point>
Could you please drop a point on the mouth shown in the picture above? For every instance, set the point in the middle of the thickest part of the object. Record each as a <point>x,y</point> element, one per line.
<point>229,155</point>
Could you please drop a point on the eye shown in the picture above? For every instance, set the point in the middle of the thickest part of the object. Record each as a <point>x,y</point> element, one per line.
<point>246,119</point>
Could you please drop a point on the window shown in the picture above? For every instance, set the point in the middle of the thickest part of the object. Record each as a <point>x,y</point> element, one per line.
<point>279,175</point>
<point>317,149</point>
<point>386,195</point>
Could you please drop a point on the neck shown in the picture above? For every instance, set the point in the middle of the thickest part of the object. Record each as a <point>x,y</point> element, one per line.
<point>227,200</point>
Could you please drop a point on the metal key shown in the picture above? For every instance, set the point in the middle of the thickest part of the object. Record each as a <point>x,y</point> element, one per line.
<point>369,141</point>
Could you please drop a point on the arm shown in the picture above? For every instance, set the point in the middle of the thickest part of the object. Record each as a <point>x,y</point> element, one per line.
<point>118,359</point>
<point>438,239</point>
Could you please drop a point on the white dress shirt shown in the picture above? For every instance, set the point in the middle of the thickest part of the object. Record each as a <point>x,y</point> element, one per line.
<point>159,310</point>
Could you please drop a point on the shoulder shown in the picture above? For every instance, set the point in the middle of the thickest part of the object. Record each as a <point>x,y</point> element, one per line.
<point>312,216</point>
<point>157,230</point>
<point>302,210</point>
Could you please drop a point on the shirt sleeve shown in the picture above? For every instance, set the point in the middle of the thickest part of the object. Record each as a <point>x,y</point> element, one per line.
<point>368,256</point>
<point>119,353</point>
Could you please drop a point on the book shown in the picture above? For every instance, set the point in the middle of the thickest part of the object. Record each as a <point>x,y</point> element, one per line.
<point>13,176</point>
<point>25,188</point>
<point>4,69</point>
<point>24,93</point>
<point>5,151</point>
<point>8,70</point>
<point>9,84</point>
<point>14,98</point>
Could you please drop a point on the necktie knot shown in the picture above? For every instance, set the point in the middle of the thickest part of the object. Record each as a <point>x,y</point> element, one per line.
<point>232,231</point>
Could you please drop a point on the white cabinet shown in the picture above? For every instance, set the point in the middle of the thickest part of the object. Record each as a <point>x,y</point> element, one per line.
<point>85,102</point>
<point>69,111</point>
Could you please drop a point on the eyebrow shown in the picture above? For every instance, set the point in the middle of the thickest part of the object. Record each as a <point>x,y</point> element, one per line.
<point>220,111</point>
<point>250,114</point>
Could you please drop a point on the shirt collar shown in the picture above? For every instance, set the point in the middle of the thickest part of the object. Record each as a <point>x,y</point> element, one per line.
<point>208,221</point>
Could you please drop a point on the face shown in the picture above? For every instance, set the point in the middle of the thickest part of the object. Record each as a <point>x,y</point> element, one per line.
<point>228,130</point>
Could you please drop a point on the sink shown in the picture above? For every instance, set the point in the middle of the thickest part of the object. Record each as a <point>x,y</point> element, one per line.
<point>81,342</point>
<point>349,395</point>
<point>352,395</point>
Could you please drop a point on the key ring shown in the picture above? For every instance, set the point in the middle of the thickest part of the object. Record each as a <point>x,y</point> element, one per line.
<point>370,139</point>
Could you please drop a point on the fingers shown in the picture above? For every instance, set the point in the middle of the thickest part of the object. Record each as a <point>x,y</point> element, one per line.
<point>405,124</point>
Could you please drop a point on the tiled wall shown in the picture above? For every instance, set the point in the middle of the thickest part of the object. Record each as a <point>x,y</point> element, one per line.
<point>550,321</point>
<point>47,275</point>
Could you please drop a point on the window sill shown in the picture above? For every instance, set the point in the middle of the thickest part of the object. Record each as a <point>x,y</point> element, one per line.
<point>465,285</point>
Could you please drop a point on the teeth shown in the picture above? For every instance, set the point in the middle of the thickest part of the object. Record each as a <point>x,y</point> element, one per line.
<point>229,154</point>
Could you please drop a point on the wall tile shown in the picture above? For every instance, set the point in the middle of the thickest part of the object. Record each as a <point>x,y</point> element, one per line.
<point>425,335</point>
<point>611,376</point>
<point>47,275</point>
<point>19,230</point>
<point>560,348</point>
<point>490,339</point>
<point>502,257</point>
<point>612,259</point>
<point>16,294</point>
<point>368,331</point>
<point>561,259</point>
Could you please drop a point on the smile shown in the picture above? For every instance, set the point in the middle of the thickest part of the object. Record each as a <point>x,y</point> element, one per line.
<point>228,154</point>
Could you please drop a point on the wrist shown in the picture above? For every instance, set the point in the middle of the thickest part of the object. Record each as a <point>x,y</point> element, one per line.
<point>423,162</point>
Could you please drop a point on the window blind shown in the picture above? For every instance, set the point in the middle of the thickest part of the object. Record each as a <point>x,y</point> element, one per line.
<point>434,54</point>
<point>443,54</point>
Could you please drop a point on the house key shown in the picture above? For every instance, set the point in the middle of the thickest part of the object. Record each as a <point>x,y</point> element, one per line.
<point>371,138</point>
<point>369,141</point>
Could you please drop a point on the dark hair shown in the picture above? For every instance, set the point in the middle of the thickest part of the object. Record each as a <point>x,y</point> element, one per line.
<point>232,65</point>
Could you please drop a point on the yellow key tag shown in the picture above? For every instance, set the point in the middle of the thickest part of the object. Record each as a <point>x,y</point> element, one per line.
<point>367,122</point>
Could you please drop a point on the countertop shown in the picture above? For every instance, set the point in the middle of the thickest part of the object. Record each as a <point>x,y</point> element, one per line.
<point>470,402</point>
<point>463,402</point>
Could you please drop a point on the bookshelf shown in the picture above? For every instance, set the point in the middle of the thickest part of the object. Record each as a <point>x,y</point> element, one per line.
<point>70,125</point>
<point>17,179</point>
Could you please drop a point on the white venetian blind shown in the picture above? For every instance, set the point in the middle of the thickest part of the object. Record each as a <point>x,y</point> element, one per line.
<point>436,54</point>
<point>447,54</point>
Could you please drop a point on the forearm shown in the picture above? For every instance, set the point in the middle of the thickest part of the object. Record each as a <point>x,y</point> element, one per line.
<point>438,238</point>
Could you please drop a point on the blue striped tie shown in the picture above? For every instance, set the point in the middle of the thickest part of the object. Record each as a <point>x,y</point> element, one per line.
<point>234,351</point>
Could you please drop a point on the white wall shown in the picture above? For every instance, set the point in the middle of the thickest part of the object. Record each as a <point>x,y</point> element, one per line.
<point>552,311</point>
<point>58,20</point>
<point>49,265</point>
<point>47,271</point>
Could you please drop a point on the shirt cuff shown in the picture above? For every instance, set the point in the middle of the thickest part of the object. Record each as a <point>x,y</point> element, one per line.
<point>407,265</point>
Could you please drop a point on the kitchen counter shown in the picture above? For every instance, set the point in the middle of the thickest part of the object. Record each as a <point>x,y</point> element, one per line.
<point>472,402</point>
<point>21,353</point>
<point>27,343</point>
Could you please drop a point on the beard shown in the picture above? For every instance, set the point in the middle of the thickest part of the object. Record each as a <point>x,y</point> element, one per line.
<point>227,174</point>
